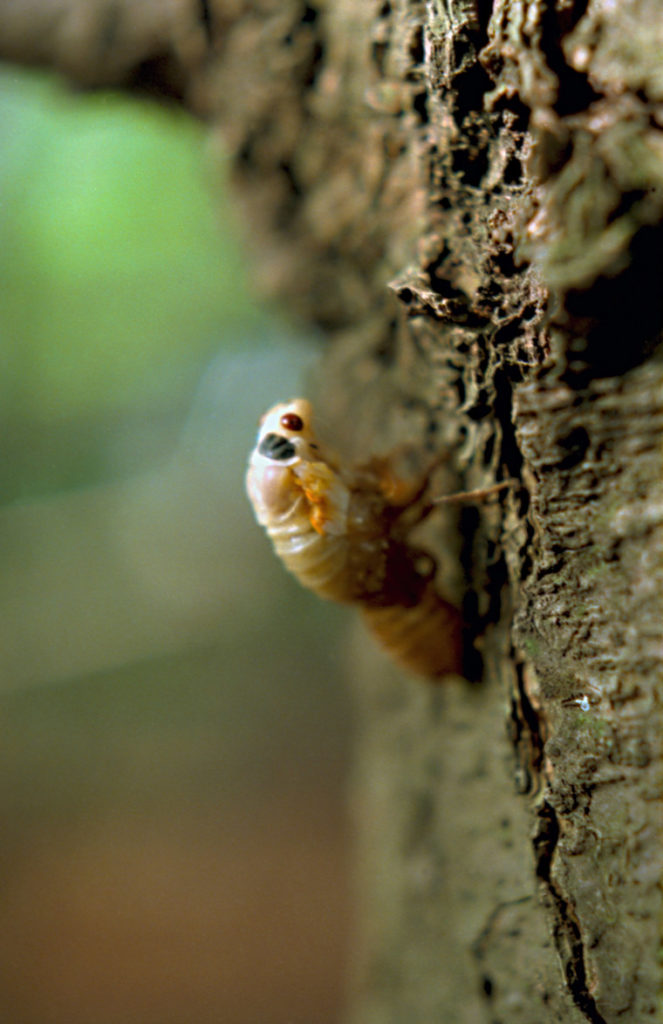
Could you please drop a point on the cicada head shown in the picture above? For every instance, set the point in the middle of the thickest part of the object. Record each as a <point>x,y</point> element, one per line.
<point>285,438</point>
<point>291,420</point>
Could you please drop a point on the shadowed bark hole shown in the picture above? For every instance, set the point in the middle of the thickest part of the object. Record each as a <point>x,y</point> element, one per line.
<point>206,18</point>
<point>417,51</point>
<point>574,92</point>
<point>159,76</point>
<point>618,321</point>
<point>471,86</point>
<point>420,105</point>
<point>576,444</point>
<point>470,165</point>
<point>379,51</point>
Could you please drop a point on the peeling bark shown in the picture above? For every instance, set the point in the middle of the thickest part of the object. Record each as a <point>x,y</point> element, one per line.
<point>468,199</point>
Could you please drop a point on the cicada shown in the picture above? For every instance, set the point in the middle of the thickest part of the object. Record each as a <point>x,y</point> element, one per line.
<point>345,534</point>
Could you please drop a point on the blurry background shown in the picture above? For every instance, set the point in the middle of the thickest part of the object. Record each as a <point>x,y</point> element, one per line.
<point>173,721</point>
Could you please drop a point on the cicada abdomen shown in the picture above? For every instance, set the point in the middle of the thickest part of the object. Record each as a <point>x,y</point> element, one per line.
<point>426,638</point>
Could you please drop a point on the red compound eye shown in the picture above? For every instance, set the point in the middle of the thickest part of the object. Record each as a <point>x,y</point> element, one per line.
<point>291,421</point>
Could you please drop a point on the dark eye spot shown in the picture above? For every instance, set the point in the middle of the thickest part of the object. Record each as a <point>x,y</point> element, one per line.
<point>291,421</point>
<point>274,446</point>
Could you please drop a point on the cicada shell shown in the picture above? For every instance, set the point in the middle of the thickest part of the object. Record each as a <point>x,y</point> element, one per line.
<point>344,535</point>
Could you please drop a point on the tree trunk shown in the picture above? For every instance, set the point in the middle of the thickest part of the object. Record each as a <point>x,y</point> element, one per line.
<point>468,199</point>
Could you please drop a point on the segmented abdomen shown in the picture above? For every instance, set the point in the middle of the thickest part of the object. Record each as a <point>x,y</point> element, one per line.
<point>425,638</point>
<point>319,561</point>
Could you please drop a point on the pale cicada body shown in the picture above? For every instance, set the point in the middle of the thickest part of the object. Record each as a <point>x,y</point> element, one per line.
<point>345,536</point>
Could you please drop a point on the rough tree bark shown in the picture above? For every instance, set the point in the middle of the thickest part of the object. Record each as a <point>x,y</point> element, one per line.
<point>468,198</point>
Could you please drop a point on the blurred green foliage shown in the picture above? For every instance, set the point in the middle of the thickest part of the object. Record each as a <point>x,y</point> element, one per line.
<point>121,273</point>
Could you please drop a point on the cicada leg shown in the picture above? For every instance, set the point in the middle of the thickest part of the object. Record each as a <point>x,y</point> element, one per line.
<point>475,496</point>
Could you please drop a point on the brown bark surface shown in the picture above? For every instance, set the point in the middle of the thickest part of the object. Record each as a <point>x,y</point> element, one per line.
<point>468,198</point>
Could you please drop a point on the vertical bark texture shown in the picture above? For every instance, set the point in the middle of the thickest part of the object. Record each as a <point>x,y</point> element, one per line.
<point>468,198</point>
